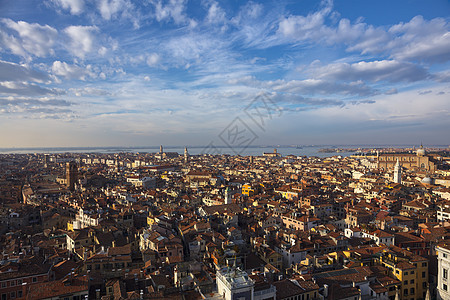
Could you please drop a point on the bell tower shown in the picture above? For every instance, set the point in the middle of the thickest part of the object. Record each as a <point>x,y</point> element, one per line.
<point>186,154</point>
<point>397,172</point>
<point>71,175</point>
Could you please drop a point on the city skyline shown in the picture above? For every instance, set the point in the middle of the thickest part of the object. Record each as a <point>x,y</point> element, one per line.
<point>118,73</point>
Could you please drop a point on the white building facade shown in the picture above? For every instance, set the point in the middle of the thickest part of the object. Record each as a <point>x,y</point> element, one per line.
<point>443,282</point>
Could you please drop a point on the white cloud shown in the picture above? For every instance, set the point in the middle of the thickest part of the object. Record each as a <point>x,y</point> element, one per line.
<point>442,76</point>
<point>26,89</point>
<point>308,27</point>
<point>399,107</point>
<point>111,9</point>
<point>71,71</point>
<point>313,29</point>
<point>383,70</point>
<point>82,39</point>
<point>75,7</point>
<point>10,71</point>
<point>102,51</point>
<point>192,47</point>
<point>307,86</point>
<point>252,10</point>
<point>32,40</point>
<point>303,27</point>
<point>421,40</point>
<point>152,59</point>
<point>33,101</point>
<point>255,29</point>
<point>171,9</point>
<point>417,39</point>
<point>318,86</point>
<point>215,13</point>
<point>108,8</point>
<point>89,91</point>
<point>361,37</point>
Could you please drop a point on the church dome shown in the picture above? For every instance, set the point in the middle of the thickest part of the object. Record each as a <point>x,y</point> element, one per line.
<point>427,180</point>
<point>421,151</point>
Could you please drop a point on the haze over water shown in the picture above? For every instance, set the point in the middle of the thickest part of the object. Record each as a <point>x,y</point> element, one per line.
<point>312,150</point>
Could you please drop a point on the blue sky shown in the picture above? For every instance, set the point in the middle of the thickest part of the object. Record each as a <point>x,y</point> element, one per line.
<point>135,73</point>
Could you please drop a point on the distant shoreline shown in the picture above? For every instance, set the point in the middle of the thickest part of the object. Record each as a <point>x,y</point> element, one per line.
<point>284,150</point>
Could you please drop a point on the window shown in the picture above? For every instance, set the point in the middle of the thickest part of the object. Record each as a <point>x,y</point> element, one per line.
<point>406,273</point>
<point>12,283</point>
<point>423,275</point>
<point>424,264</point>
<point>34,279</point>
<point>19,282</point>
<point>405,292</point>
<point>19,294</point>
<point>444,287</point>
<point>3,284</point>
<point>411,291</point>
<point>412,272</point>
<point>411,281</point>
<point>444,255</point>
<point>12,295</point>
<point>406,282</point>
<point>445,273</point>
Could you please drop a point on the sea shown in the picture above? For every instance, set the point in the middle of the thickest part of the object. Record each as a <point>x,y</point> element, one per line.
<point>297,150</point>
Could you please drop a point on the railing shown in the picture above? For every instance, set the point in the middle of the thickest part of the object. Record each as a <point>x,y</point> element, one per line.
<point>231,285</point>
<point>272,289</point>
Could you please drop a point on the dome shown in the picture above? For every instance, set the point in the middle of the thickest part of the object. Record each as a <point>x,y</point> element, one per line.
<point>427,180</point>
<point>421,151</point>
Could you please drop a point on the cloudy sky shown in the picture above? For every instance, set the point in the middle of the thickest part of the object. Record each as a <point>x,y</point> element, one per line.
<point>150,72</point>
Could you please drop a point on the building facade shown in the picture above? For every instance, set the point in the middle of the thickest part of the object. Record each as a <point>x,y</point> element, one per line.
<point>420,161</point>
<point>443,253</point>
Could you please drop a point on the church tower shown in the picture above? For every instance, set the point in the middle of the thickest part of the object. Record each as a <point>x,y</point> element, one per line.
<point>186,154</point>
<point>71,174</point>
<point>397,172</point>
<point>161,149</point>
<point>227,196</point>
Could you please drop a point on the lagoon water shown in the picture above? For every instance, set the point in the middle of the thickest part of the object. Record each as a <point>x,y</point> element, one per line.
<point>310,150</point>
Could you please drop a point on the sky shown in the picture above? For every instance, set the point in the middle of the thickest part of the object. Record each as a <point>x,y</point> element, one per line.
<point>151,72</point>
